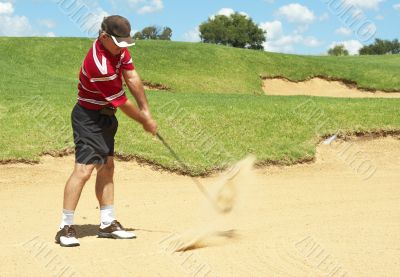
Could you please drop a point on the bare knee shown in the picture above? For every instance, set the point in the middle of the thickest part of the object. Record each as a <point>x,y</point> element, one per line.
<point>83,172</point>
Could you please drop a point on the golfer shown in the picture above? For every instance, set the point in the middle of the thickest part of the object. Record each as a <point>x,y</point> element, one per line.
<point>94,125</point>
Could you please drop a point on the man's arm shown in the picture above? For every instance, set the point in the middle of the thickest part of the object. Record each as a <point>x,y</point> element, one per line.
<point>135,85</point>
<point>141,115</point>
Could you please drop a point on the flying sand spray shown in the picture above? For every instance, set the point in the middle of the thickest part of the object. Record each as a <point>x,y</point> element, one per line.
<point>222,200</point>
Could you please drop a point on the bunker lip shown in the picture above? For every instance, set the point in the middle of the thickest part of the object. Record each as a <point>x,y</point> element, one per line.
<point>319,85</point>
<point>346,136</point>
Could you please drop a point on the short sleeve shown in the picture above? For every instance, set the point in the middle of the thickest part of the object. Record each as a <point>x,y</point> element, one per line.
<point>127,63</point>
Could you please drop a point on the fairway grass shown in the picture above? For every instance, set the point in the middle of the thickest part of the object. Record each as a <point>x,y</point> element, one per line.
<point>214,113</point>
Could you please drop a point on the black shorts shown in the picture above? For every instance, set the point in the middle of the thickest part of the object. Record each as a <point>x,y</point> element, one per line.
<point>93,135</point>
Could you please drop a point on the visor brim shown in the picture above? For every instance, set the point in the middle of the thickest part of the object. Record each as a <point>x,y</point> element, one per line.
<point>123,42</point>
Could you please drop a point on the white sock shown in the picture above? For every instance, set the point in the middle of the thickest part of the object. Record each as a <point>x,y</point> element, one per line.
<point>67,218</point>
<point>107,215</point>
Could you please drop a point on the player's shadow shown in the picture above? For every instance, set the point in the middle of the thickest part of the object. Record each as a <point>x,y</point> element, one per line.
<point>90,230</point>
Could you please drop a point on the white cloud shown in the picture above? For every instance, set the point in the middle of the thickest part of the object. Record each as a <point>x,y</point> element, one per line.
<point>274,29</point>
<point>228,12</point>
<point>6,8</point>
<point>13,25</point>
<point>364,4</point>
<point>47,23</point>
<point>296,13</point>
<point>50,34</point>
<point>353,46</point>
<point>245,14</point>
<point>277,41</point>
<point>225,11</point>
<point>192,35</point>
<point>344,31</point>
<point>282,45</point>
<point>396,7</point>
<point>147,6</point>
<point>379,17</point>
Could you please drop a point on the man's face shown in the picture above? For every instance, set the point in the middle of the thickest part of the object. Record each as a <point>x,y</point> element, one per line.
<point>110,45</point>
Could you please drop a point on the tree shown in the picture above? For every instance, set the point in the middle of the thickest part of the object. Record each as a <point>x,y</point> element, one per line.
<point>338,50</point>
<point>236,30</point>
<point>150,32</point>
<point>381,47</point>
<point>154,32</point>
<point>166,34</point>
<point>138,35</point>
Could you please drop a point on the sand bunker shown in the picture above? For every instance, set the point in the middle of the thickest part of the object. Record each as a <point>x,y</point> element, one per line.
<point>320,87</point>
<point>340,214</point>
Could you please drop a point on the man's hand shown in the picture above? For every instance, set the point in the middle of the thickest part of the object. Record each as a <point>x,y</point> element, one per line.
<point>141,116</point>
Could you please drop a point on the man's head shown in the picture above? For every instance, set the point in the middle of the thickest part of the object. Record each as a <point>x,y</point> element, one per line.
<point>115,33</point>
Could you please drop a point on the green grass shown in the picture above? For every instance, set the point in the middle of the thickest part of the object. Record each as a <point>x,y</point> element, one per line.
<point>206,130</point>
<point>211,115</point>
<point>188,67</point>
<point>209,129</point>
<point>209,68</point>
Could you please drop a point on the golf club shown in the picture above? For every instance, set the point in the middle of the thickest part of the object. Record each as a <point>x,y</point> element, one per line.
<point>225,209</point>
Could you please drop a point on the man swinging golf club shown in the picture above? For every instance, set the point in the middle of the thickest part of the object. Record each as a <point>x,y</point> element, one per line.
<point>95,125</point>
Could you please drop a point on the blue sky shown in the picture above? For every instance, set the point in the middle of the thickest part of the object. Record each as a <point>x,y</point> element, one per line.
<point>301,27</point>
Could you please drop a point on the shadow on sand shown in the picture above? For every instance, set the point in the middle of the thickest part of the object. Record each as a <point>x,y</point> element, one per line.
<point>90,230</point>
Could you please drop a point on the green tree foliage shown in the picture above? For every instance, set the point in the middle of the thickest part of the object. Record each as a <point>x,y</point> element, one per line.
<point>338,50</point>
<point>237,30</point>
<point>381,47</point>
<point>150,32</point>
<point>154,32</point>
<point>166,34</point>
<point>138,35</point>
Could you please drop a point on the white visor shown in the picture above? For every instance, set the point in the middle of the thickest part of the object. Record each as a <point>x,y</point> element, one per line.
<point>122,44</point>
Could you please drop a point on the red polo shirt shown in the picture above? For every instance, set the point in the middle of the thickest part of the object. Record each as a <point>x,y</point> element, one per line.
<point>100,78</point>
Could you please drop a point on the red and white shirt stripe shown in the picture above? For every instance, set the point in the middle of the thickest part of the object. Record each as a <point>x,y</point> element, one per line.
<point>100,78</point>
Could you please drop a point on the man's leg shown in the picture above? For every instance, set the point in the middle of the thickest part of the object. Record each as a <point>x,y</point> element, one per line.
<point>75,184</point>
<point>66,236</point>
<point>109,226</point>
<point>105,183</point>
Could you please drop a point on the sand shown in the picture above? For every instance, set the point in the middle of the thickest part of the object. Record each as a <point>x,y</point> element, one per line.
<point>320,87</point>
<point>337,216</point>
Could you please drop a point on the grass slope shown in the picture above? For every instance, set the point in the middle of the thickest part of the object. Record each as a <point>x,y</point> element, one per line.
<point>38,78</point>
<point>191,67</point>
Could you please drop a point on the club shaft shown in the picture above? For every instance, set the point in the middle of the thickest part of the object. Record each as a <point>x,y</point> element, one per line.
<point>199,185</point>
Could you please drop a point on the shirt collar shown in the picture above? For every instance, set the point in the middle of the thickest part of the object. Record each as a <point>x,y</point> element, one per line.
<point>101,49</point>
